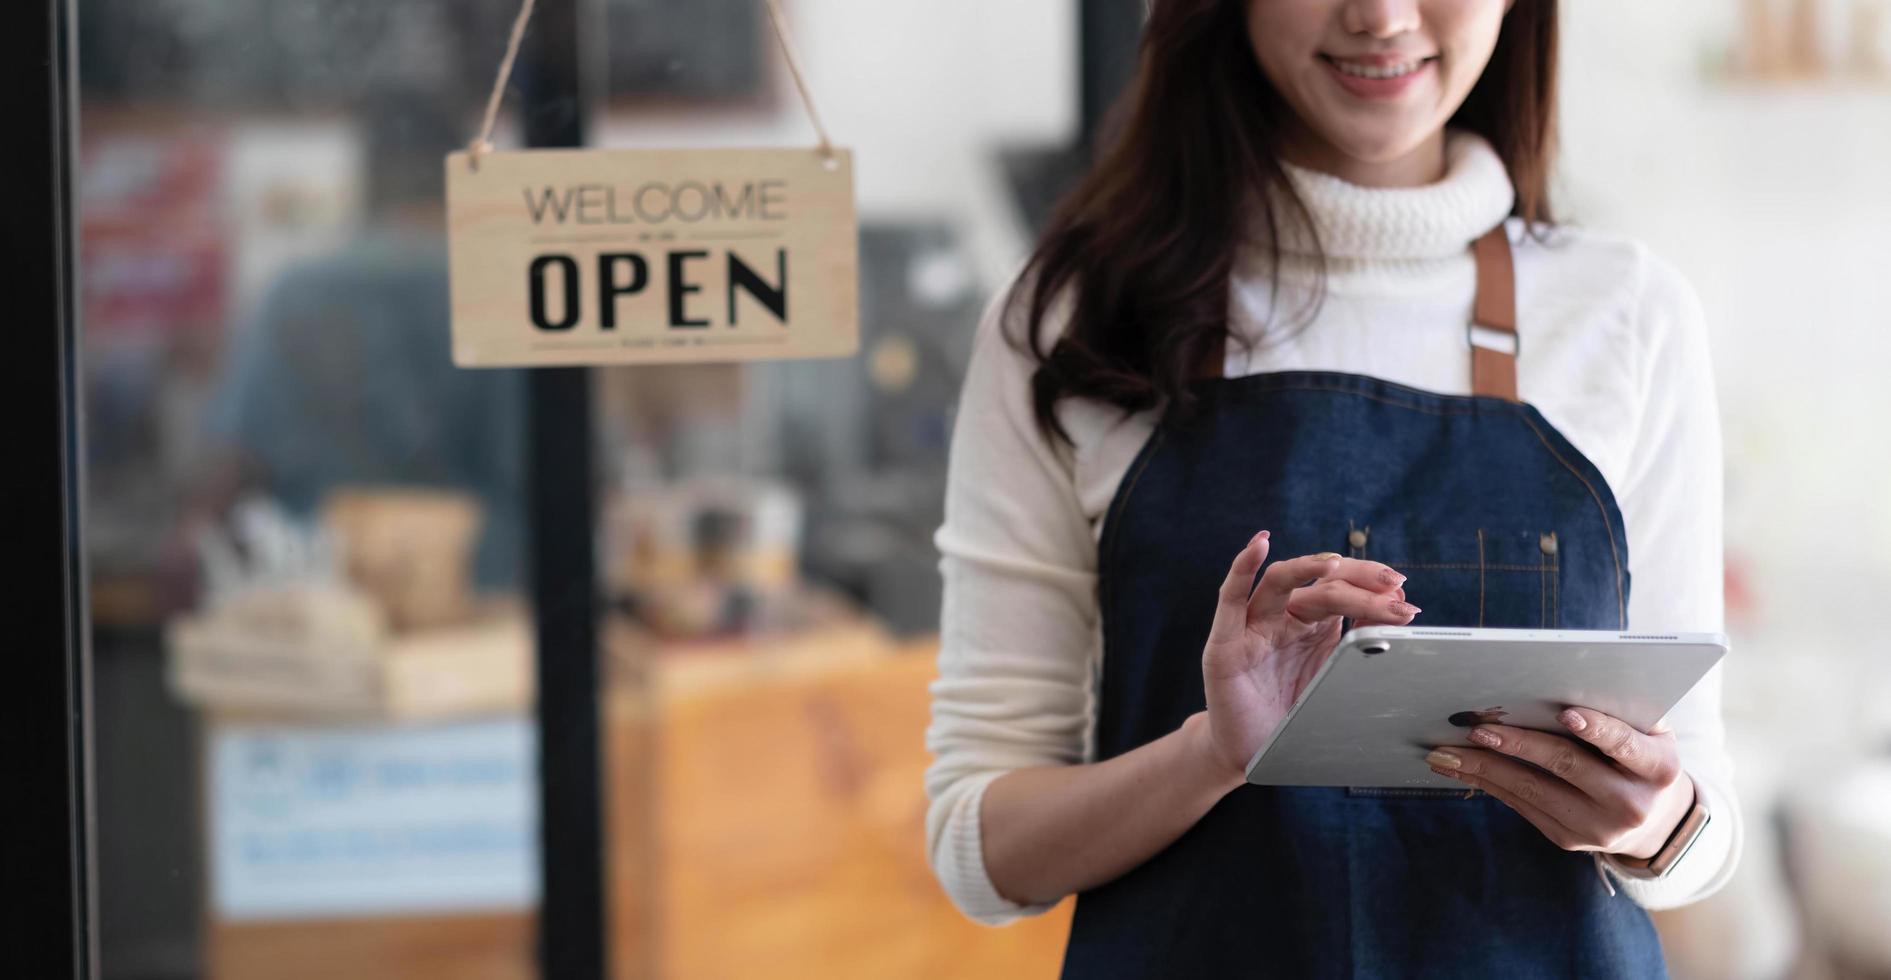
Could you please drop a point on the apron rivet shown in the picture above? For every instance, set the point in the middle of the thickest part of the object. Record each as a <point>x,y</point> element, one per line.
<point>1357,538</point>
<point>1548,543</point>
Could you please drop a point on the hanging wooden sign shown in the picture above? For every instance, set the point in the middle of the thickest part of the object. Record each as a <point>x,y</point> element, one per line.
<point>562,257</point>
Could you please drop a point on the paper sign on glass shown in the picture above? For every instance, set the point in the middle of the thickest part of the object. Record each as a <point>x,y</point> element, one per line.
<point>644,256</point>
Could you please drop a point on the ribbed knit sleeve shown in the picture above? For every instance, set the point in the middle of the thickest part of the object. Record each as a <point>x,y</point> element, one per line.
<point>1017,625</point>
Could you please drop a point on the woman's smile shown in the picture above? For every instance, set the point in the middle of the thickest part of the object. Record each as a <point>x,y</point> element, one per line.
<point>1370,85</point>
<point>1385,76</point>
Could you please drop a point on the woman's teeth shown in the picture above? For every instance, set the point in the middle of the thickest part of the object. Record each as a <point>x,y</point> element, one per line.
<point>1377,71</point>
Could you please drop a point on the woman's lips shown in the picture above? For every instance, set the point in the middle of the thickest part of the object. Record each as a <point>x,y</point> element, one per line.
<point>1378,77</point>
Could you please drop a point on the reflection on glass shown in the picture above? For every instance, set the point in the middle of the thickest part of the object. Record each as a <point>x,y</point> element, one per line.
<point>316,748</point>
<point>316,744</point>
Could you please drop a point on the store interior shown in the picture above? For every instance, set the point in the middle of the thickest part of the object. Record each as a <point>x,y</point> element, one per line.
<point>316,732</point>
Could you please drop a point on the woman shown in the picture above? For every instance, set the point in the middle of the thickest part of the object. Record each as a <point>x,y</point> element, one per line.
<point>1244,337</point>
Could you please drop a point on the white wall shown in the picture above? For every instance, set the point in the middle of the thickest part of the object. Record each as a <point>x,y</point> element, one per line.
<point>922,91</point>
<point>1776,203</point>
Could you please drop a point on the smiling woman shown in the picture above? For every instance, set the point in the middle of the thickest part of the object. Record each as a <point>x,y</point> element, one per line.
<point>1253,314</point>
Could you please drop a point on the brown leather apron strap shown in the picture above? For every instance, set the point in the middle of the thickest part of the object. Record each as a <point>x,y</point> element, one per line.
<point>1494,368</point>
<point>1214,362</point>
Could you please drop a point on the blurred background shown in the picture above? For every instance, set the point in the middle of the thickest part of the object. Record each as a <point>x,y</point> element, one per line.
<point>316,741</point>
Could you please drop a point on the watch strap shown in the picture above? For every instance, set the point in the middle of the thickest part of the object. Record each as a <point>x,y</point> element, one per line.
<point>1673,849</point>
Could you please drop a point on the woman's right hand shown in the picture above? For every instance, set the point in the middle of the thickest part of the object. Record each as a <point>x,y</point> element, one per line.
<point>1267,644</point>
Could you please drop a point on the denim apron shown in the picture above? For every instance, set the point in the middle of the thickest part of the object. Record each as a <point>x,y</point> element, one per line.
<point>1498,521</point>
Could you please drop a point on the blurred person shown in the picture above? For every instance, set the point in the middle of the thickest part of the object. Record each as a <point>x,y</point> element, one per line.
<point>1243,336</point>
<point>343,375</point>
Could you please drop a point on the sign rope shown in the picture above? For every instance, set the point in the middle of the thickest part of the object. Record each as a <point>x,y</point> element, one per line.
<point>483,142</point>
<point>794,69</point>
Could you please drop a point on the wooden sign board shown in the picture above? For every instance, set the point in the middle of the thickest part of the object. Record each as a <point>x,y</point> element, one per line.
<point>563,257</point>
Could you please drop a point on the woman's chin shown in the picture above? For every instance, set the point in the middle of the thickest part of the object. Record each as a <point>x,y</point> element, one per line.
<point>1378,145</point>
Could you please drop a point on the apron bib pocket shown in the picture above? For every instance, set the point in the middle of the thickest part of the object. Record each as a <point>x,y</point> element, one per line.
<point>1493,577</point>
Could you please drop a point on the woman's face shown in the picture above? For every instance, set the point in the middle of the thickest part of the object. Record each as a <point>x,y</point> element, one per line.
<point>1372,81</point>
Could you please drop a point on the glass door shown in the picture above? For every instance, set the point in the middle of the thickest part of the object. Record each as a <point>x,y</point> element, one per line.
<point>408,671</point>
<point>314,633</point>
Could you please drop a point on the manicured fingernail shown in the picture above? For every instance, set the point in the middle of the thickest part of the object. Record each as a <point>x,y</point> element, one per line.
<point>1327,556</point>
<point>1267,534</point>
<point>1572,720</point>
<point>1444,759</point>
<point>1486,738</point>
<point>1403,608</point>
<point>1391,577</point>
<point>1445,772</point>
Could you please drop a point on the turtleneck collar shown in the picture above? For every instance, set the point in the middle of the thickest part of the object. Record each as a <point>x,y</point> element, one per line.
<point>1397,232</point>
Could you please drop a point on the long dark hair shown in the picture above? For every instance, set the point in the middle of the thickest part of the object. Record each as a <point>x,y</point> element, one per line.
<point>1142,248</point>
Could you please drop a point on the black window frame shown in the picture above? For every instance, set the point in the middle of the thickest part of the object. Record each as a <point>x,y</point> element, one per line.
<point>46,831</point>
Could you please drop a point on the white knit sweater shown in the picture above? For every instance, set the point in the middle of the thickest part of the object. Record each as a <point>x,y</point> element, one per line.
<point>1614,354</point>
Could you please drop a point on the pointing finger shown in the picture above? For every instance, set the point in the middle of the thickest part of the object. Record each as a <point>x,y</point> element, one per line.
<point>1231,608</point>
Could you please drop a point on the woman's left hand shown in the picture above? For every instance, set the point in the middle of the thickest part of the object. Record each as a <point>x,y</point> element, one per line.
<point>1623,792</point>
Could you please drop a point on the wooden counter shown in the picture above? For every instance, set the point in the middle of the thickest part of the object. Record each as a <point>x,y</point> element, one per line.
<point>765,816</point>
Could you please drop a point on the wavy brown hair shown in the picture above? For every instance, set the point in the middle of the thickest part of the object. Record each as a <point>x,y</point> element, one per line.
<point>1142,248</point>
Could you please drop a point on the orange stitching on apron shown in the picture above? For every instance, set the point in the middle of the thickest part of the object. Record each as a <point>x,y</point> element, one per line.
<point>1112,529</point>
<point>1543,598</point>
<point>1556,591</point>
<point>1465,410</point>
<point>1621,600</point>
<point>1112,517</point>
<point>1480,576</point>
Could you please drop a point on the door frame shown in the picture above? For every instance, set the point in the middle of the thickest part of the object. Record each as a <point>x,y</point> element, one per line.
<point>556,95</point>
<point>46,825</point>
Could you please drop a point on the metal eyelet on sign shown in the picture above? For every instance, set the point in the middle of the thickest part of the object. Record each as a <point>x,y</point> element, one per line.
<point>1548,543</point>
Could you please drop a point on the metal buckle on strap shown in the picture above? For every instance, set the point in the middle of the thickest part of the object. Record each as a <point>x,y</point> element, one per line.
<point>1502,341</point>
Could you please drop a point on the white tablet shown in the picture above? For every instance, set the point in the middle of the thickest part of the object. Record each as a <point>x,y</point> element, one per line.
<point>1390,694</point>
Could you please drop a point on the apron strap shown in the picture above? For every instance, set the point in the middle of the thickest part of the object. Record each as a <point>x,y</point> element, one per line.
<point>1494,368</point>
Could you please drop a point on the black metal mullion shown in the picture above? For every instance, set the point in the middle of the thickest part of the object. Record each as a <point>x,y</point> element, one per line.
<point>1109,36</point>
<point>554,106</point>
<point>45,824</point>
